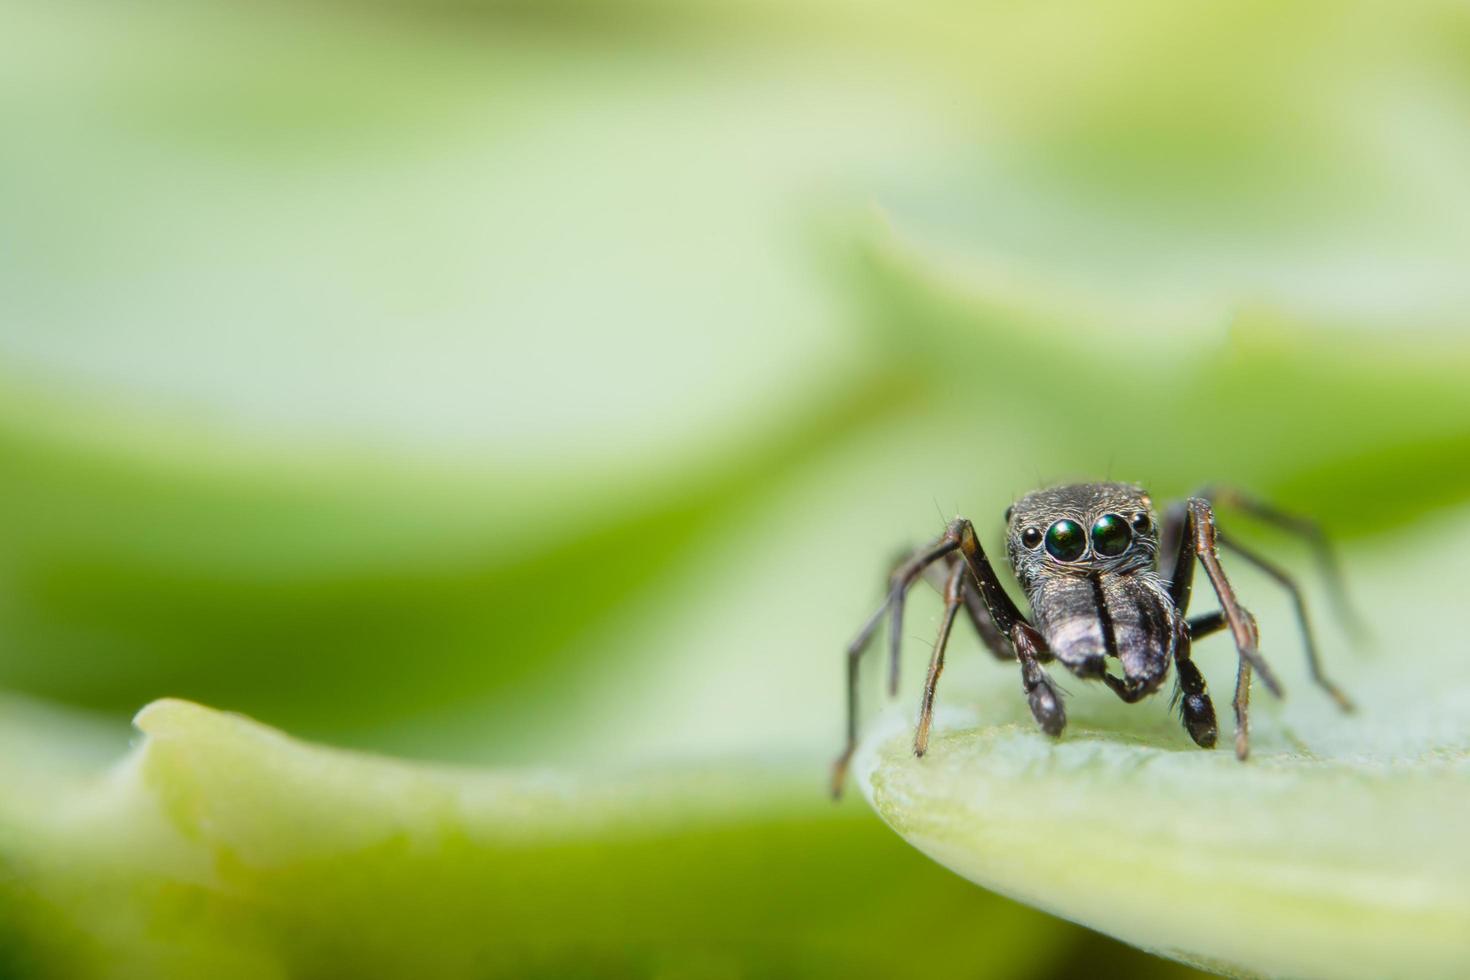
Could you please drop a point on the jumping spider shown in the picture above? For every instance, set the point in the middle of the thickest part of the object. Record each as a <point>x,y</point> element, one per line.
<point>1087,557</point>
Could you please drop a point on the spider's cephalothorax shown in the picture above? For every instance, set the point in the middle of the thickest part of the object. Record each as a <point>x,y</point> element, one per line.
<point>1088,558</point>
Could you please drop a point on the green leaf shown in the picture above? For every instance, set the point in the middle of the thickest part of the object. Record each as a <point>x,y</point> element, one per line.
<point>219,847</point>
<point>333,565</point>
<point>1337,850</point>
<point>1363,428</point>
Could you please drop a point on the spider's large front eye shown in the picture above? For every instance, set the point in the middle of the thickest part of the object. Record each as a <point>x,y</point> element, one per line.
<point>1111,535</point>
<point>1065,540</point>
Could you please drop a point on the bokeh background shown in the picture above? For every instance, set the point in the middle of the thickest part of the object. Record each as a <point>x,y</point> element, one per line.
<point>528,386</point>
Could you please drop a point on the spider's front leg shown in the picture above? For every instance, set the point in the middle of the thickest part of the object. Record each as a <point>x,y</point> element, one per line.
<point>1004,620</point>
<point>1024,644</point>
<point>1041,693</point>
<point>904,576</point>
<point>954,588</point>
<point>1195,706</point>
<point>1195,530</point>
<point>1025,641</point>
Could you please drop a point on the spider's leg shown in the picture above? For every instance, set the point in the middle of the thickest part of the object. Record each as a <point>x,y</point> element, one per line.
<point>1028,644</point>
<point>1194,527</point>
<point>994,640</point>
<point>1213,623</point>
<point>1195,706</point>
<point>1201,626</point>
<point>1041,693</point>
<point>899,583</point>
<point>1311,532</point>
<point>953,598</point>
<point>1170,551</point>
<point>1029,647</point>
<point>1242,710</point>
<point>1198,541</point>
<point>1314,663</point>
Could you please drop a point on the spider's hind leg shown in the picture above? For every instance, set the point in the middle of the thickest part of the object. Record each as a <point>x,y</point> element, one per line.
<point>1328,564</point>
<point>1309,641</point>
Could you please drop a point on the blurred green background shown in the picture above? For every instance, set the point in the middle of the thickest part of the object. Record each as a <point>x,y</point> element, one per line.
<point>518,385</point>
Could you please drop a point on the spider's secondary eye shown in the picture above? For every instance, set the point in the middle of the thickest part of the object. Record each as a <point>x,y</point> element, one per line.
<point>1111,535</point>
<point>1065,540</point>
<point>1031,537</point>
<point>1141,523</point>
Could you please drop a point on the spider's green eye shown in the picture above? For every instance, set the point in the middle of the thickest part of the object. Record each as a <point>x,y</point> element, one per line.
<point>1111,536</point>
<point>1065,540</point>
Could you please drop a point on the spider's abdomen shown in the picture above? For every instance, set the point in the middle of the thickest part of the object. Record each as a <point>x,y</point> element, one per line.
<point>1086,617</point>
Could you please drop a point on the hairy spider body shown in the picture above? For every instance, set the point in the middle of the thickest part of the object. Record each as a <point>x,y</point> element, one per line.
<point>1108,588</point>
<point>1097,606</point>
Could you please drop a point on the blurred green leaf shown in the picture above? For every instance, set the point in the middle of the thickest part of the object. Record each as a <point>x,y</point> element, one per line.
<point>1365,429</point>
<point>379,592</point>
<point>633,472</point>
<point>219,847</point>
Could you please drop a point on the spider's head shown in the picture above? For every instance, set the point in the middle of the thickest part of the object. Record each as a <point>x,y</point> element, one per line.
<point>1083,528</point>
